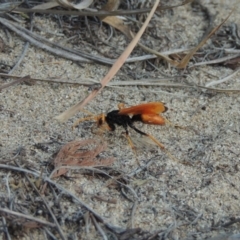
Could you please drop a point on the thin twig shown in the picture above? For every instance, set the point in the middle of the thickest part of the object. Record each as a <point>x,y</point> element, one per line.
<point>50,234</point>
<point>28,217</point>
<point>232,51</point>
<point>150,82</point>
<point>62,53</point>
<point>210,18</point>
<point>74,55</point>
<point>6,228</point>
<point>140,169</point>
<point>25,49</point>
<point>98,227</point>
<point>131,220</point>
<point>47,206</point>
<point>85,82</point>
<point>96,13</point>
<point>87,221</point>
<point>96,170</point>
<point>67,192</point>
<point>215,61</point>
<point>212,83</point>
<point>8,188</point>
<point>15,82</point>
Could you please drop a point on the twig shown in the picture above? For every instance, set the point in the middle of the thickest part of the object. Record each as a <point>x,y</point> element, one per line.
<point>47,206</point>
<point>215,61</point>
<point>86,82</point>
<point>210,18</point>
<point>21,32</point>
<point>20,59</point>
<point>232,221</point>
<point>8,188</point>
<point>150,82</point>
<point>50,234</point>
<point>212,83</point>
<point>96,13</point>
<point>155,234</point>
<point>15,82</point>
<point>6,228</point>
<point>74,55</point>
<point>25,49</point>
<point>87,221</point>
<point>140,169</point>
<point>196,219</point>
<point>96,170</point>
<point>28,217</point>
<point>98,227</point>
<point>232,51</point>
<point>131,220</point>
<point>102,219</point>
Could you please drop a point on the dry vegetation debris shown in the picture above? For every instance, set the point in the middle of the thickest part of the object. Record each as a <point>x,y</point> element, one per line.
<point>55,186</point>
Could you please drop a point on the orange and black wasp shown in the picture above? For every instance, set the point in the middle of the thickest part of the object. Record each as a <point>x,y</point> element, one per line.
<point>148,113</point>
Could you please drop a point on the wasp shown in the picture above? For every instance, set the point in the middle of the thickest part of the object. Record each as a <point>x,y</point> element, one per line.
<point>148,113</point>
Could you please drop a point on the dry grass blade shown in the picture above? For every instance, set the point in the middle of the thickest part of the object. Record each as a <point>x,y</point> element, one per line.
<point>225,59</point>
<point>159,55</point>
<point>114,69</point>
<point>22,79</point>
<point>186,59</point>
<point>118,23</point>
<point>115,21</point>
<point>41,8</point>
<point>153,82</point>
<point>46,5</point>
<point>174,6</point>
<point>70,4</point>
<point>75,154</point>
<point>37,221</point>
<point>213,83</point>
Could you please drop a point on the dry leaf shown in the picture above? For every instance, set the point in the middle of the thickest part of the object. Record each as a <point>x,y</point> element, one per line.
<point>31,224</point>
<point>80,153</point>
<point>117,23</point>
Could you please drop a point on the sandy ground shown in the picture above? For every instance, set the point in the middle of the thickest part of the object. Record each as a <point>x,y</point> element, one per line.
<point>178,200</point>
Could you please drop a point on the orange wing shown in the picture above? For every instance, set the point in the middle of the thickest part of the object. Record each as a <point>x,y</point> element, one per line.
<point>153,119</point>
<point>145,108</point>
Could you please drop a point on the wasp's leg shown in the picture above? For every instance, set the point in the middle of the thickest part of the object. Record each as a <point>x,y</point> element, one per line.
<point>148,135</point>
<point>76,123</point>
<point>131,145</point>
<point>160,145</point>
<point>96,118</point>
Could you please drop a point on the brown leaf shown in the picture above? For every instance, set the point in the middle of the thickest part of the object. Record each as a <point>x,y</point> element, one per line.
<point>80,153</point>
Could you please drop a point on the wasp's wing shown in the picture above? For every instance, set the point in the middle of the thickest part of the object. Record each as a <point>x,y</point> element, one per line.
<point>145,108</point>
